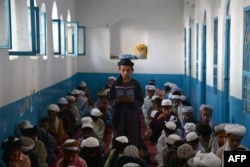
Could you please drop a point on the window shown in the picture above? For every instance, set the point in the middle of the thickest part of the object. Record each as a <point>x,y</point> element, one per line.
<point>28,24</point>
<point>5,35</point>
<point>197,53</point>
<point>81,40</point>
<point>215,66</point>
<point>71,38</point>
<point>246,61</point>
<point>56,28</point>
<point>185,54</point>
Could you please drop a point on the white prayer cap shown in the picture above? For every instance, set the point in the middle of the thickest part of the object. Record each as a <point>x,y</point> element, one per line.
<point>175,89</point>
<point>82,84</point>
<point>170,127</point>
<point>150,87</point>
<point>235,129</point>
<point>95,112</point>
<point>71,98</point>
<point>27,144</point>
<point>87,125</point>
<point>205,106</point>
<point>220,127</point>
<point>82,93</point>
<point>53,107</point>
<point>191,136</point>
<point>153,113</point>
<point>154,97</point>
<point>122,139</point>
<point>183,98</point>
<point>205,159</point>
<point>71,144</point>
<point>63,100</point>
<point>187,109</point>
<point>167,84</point>
<point>75,92</point>
<point>112,77</point>
<point>166,102</point>
<point>172,138</point>
<point>189,127</point>
<point>86,120</point>
<point>90,142</point>
<point>131,164</point>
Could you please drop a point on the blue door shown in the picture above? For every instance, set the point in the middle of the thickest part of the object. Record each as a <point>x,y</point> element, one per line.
<point>226,71</point>
<point>203,63</point>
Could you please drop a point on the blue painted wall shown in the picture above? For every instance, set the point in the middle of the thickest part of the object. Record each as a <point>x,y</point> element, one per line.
<point>234,115</point>
<point>34,106</point>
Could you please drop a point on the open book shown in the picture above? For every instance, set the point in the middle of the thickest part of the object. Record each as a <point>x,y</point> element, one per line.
<point>125,91</point>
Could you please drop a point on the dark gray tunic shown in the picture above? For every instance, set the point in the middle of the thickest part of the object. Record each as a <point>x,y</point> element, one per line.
<point>126,119</point>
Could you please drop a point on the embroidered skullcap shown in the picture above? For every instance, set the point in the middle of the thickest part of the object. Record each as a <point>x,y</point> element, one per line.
<point>90,142</point>
<point>172,138</point>
<point>95,112</point>
<point>235,129</point>
<point>150,87</point>
<point>11,143</point>
<point>71,144</point>
<point>82,84</point>
<point>155,97</point>
<point>153,113</point>
<point>71,98</point>
<point>53,107</point>
<point>122,139</point>
<point>86,120</point>
<point>205,160</point>
<point>177,144</point>
<point>112,77</point>
<point>185,151</point>
<point>125,62</point>
<point>170,127</point>
<point>220,127</point>
<point>62,100</point>
<point>166,102</point>
<point>131,151</point>
<point>187,109</point>
<point>191,136</point>
<point>75,92</point>
<point>27,144</point>
<point>189,127</point>
<point>208,107</point>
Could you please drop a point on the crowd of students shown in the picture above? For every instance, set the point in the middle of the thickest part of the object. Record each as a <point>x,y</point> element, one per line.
<point>79,126</point>
<point>181,139</point>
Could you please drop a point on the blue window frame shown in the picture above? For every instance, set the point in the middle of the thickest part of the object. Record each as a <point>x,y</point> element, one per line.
<point>56,28</point>
<point>215,64</point>
<point>42,33</point>
<point>71,38</point>
<point>23,26</point>
<point>185,52</point>
<point>197,53</point>
<point>5,35</point>
<point>246,61</point>
<point>81,40</point>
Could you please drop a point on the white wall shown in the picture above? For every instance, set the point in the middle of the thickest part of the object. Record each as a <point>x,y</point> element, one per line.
<point>164,23</point>
<point>18,78</point>
<point>217,8</point>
